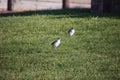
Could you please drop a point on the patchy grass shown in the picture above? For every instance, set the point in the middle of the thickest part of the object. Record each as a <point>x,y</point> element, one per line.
<point>93,53</point>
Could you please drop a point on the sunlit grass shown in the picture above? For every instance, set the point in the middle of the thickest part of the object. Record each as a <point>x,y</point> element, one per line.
<point>91,54</point>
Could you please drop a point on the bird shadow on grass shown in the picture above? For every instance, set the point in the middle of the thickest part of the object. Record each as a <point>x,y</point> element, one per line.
<point>72,13</point>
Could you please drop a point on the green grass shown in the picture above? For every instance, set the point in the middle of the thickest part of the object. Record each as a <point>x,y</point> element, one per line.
<point>93,53</point>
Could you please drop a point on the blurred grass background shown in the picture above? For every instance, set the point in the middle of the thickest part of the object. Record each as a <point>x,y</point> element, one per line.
<point>93,53</point>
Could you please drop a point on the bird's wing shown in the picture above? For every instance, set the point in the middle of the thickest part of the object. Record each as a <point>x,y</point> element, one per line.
<point>53,42</point>
<point>69,31</point>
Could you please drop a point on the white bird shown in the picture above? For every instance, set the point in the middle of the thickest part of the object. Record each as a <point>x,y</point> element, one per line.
<point>71,31</point>
<point>56,43</point>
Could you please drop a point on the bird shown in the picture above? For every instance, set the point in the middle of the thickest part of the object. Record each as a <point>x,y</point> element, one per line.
<point>56,43</point>
<point>71,31</point>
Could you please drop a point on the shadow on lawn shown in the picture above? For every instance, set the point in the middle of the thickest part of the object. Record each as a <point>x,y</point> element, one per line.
<point>73,13</point>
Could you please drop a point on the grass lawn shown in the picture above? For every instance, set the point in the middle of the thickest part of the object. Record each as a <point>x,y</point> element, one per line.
<point>93,53</point>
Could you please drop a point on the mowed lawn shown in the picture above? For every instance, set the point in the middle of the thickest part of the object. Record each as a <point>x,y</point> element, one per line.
<point>93,52</point>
